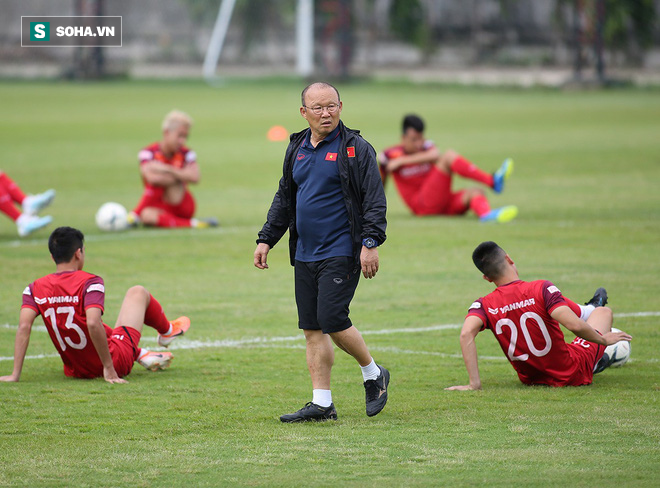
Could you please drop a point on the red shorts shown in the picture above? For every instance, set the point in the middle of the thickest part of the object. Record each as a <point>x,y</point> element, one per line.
<point>586,354</point>
<point>153,197</point>
<point>123,345</point>
<point>436,198</point>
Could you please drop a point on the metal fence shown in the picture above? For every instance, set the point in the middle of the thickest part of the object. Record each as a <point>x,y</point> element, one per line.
<point>171,37</point>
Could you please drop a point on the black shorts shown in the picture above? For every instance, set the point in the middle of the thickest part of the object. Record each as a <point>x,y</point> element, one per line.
<point>324,290</point>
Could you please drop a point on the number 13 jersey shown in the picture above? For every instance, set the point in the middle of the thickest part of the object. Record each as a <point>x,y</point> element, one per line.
<point>62,299</point>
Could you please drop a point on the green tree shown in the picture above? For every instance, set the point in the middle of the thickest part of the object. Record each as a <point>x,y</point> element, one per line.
<point>408,23</point>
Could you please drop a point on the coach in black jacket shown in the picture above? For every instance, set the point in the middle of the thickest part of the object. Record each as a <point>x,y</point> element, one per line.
<point>331,200</point>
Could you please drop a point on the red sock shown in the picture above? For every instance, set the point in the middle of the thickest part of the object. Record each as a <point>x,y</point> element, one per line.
<point>155,316</point>
<point>466,169</point>
<point>168,220</point>
<point>7,206</point>
<point>480,205</point>
<point>12,188</point>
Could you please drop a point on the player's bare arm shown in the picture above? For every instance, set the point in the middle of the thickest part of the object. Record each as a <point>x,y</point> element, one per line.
<point>156,173</point>
<point>471,328</point>
<point>261,255</point>
<point>25,322</point>
<point>160,174</point>
<point>427,156</point>
<point>188,174</point>
<point>100,341</point>
<point>566,317</point>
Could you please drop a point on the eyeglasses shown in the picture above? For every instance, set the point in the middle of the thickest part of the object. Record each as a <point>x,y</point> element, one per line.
<point>318,109</point>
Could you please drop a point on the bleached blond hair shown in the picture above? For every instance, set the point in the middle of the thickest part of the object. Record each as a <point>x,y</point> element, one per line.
<point>176,118</point>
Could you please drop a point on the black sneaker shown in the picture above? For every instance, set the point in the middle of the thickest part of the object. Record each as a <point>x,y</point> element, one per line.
<point>376,392</point>
<point>604,363</point>
<point>311,412</point>
<point>599,299</point>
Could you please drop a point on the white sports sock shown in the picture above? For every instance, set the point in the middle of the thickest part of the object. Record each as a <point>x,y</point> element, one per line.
<point>169,331</point>
<point>370,371</point>
<point>143,352</point>
<point>585,311</point>
<point>322,398</point>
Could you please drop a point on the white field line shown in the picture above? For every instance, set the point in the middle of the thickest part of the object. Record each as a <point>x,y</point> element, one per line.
<point>247,342</point>
<point>638,314</point>
<point>395,350</point>
<point>279,342</point>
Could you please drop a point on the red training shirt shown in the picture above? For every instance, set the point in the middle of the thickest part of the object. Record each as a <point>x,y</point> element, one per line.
<point>409,178</point>
<point>62,299</point>
<point>518,314</point>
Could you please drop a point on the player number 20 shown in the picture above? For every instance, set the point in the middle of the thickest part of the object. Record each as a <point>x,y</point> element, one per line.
<point>528,339</point>
<point>70,312</point>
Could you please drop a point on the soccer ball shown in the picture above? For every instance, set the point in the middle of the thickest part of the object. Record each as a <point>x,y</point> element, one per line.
<point>618,353</point>
<point>112,217</point>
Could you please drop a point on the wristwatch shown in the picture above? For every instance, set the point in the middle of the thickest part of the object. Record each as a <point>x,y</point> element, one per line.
<point>369,242</point>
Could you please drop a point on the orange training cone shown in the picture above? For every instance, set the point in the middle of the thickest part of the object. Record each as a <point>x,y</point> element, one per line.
<point>277,133</point>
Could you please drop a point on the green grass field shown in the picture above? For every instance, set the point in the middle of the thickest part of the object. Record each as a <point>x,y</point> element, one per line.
<point>587,181</point>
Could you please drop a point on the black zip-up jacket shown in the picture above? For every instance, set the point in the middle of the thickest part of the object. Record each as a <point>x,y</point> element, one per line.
<point>361,185</point>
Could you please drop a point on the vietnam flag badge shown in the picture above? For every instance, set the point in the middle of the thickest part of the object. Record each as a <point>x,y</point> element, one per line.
<point>350,151</point>
<point>331,156</point>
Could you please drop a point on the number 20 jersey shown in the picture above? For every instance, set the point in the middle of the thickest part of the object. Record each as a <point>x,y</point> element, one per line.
<point>518,314</point>
<point>62,299</point>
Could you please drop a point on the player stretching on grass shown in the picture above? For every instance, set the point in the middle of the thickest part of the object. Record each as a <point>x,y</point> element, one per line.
<point>525,318</point>
<point>27,220</point>
<point>167,168</point>
<point>70,302</point>
<point>423,177</point>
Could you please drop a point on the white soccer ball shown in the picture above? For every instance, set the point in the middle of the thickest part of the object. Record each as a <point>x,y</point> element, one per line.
<point>112,216</point>
<point>619,352</point>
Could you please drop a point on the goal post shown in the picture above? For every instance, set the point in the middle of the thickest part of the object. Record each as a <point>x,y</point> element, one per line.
<point>217,39</point>
<point>304,38</point>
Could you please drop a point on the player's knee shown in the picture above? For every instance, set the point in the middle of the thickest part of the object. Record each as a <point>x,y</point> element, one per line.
<point>149,216</point>
<point>471,193</point>
<point>443,163</point>
<point>138,292</point>
<point>604,312</point>
<point>315,339</point>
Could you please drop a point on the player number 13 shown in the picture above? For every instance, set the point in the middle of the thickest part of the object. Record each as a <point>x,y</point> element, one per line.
<point>70,312</point>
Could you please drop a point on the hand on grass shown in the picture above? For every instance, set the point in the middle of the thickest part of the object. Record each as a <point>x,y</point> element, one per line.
<point>463,388</point>
<point>110,375</point>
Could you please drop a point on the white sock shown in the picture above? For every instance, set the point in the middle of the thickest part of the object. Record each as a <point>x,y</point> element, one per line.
<point>322,398</point>
<point>585,311</point>
<point>169,331</point>
<point>370,371</point>
<point>143,352</point>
